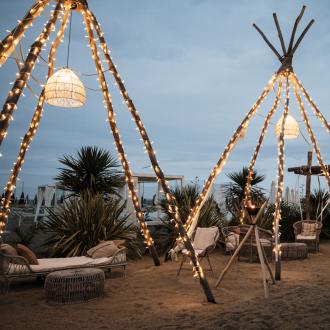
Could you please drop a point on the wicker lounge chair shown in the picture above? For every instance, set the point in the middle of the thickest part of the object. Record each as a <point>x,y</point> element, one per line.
<point>12,267</point>
<point>204,242</point>
<point>231,237</point>
<point>249,249</point>
<point>308,232</point>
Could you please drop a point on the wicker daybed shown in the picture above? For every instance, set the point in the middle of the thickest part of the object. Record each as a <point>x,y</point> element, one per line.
<point>12,267</point>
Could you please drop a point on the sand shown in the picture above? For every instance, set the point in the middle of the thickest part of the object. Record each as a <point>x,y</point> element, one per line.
<point>155,298</point>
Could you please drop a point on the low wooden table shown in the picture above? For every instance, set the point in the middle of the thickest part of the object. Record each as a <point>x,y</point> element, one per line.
<point>74,285</point>
<point>292,251</point>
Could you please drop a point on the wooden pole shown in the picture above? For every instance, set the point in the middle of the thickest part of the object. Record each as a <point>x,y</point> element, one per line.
<point>280,176</point>
<point>25,72</point>
<point>308,185</point>
<point>267,264</point>
<point>302,36</point>
<point>311,135</point>
<point>247,187</point>
<point>317,112</point>
<point>8,44</point>
<point>279,32</point>
<point>270,45</point>
<point>296,23</point>
<point>112,122</point>
<point>224,156</point>
<point>262,261</point>
<point>5,203</point>
<point>232,258</point>
<point>197,267</point>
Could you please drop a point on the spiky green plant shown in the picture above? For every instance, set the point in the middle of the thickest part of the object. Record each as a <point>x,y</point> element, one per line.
<point>80,224</point>
<point>93,169</point>
<point>186,197</point>
<point>234,191</point>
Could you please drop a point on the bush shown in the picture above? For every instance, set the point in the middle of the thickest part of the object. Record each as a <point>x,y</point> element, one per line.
<point>80,224</point>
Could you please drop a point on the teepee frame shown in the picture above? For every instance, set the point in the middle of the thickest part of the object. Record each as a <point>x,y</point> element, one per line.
<point>285,74</point>
<point>64,7</point>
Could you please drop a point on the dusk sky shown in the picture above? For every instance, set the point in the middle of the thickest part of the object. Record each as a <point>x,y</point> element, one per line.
<point>193,68</point>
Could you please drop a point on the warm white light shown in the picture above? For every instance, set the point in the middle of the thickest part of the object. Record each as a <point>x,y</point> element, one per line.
<point>291,128</point>
<point>64,89</point>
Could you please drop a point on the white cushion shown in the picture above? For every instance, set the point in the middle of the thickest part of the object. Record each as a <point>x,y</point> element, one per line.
<point>52,264</point>
<point>308,229</point>
<point>205,237</point>
<point>311,237</point>
<point>265,241</point>
<point>197,251</point>
<point>232,241</point>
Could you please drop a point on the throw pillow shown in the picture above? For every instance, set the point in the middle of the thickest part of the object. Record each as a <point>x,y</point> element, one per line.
<point>29,255</point>
<point>105,249</point>
<point>8,249</point>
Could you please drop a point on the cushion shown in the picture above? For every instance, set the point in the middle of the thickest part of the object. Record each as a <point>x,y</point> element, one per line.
<point>205,237</point>
<point>308,229</point>
<point>232,241</point>
<point>103,250</point>
<point>197,251</point>
<point>303,237</point>
<point>27,254</point>
<point>119,243</point>
<point>8,249</point>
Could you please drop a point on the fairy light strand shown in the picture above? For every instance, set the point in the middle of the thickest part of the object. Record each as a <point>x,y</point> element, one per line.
<point>28,137</point>
<point>311,134</point>
<point>25,72</point>
<point>224,156</point>
<point>171,203</point>
<point>120,149</point>
<point>247,189</point>
<point>280,174</point>
<point>317,112</point>
<point>11,40</point>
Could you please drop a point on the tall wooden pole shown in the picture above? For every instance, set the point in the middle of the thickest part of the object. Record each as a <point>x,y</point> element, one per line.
<point>8,44</point>
<point>224,156</point>
<point>280,176</point>
<point>25,72</point>
<point>120,148</point>
<point>317,112</point>
<point>173,208</point>
<point>27,139</point>
<point>311,135</point>
<point>308,185</point>
<point>247,188</point>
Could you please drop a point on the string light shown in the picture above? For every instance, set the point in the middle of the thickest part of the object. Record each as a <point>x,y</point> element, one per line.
<point>148,147</point>
<point>120,149</point>
<point>224,156</point>
<point>27,139</point>
<point>24,74</point>
<point>8,44</point>
<point>247,189</point>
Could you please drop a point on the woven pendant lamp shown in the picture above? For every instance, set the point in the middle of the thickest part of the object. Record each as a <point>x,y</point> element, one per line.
<point>291,128</point>
<point>64,89</point>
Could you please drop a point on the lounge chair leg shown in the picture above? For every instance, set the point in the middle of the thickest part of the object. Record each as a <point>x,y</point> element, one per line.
<point>182,261</point>
<point>208,260</point>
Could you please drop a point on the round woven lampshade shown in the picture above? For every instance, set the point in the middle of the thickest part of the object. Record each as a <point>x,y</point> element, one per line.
<point>291,127</point>
<point>64,89</point>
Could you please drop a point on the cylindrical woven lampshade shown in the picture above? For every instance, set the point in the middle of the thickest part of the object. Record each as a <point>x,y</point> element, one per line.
<point>64,89</point>
<point>291,127</point>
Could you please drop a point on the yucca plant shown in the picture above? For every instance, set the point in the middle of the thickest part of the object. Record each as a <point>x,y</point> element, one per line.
<point>80,224</point>
<point>186,197</point>
<point>234,191</point>
<point>93,169</point>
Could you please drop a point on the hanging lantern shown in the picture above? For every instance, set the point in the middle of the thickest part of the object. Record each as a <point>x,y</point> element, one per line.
<point>291,128</point>
<point>64,89</point>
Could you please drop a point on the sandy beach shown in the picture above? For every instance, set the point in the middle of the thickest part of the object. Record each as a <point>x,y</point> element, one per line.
<point>155,298</point>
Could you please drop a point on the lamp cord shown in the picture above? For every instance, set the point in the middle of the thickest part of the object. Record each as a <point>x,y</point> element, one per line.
<point>68,55</point>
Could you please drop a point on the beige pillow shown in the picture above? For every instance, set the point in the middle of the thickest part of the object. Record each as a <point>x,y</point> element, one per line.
<point>8,250</point>
<point>105,249</point>
<point>308,229</point>
<point>120,243</point>
<point>29,255</point>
